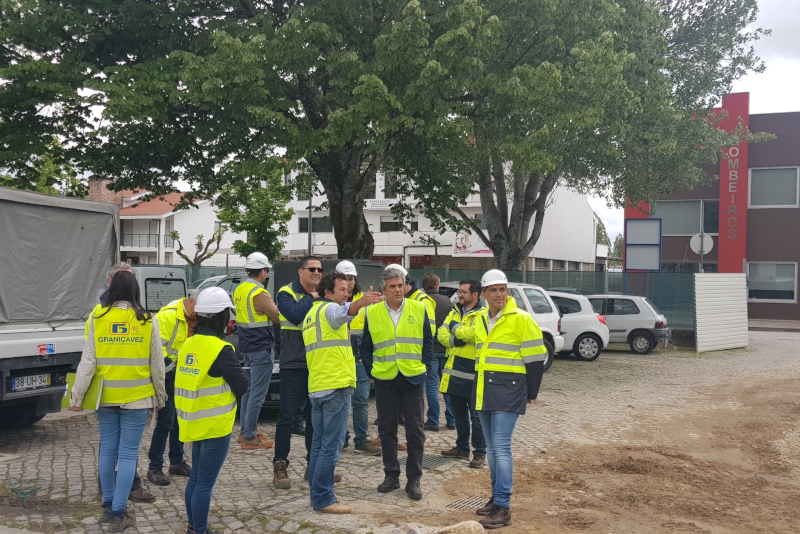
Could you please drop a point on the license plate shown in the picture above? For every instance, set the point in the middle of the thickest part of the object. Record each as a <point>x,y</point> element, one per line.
<point>275,396</point>
<point>276,368</point>
<point>32,381</point>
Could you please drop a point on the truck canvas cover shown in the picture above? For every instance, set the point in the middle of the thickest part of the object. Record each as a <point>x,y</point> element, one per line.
<point>54,255</point>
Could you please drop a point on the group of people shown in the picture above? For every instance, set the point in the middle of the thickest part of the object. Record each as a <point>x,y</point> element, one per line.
<point>177,366</point>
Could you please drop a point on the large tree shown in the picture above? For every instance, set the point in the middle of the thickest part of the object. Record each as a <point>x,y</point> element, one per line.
<point>505,98</point>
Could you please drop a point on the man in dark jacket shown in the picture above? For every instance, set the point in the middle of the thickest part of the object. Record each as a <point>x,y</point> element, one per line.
<point>430,284</point>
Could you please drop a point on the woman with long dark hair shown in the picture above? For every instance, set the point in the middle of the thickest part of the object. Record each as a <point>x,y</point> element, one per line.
<point>208,382</point>
<point>123,349</point>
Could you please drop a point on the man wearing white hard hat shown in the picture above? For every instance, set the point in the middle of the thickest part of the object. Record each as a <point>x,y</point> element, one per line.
<point>361,394</point>
<point>509,364</point>
<point>255,315</point>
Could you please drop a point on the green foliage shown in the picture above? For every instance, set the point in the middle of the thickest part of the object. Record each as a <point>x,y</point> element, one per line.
<point>601,236</point>
<point>259,209</point>
<point>618,249</point>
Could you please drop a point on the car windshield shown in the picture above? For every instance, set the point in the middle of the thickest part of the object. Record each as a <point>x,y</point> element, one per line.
<point>655,308</point>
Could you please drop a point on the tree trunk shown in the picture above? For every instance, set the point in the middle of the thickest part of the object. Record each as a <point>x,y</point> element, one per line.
<point>343,181</point>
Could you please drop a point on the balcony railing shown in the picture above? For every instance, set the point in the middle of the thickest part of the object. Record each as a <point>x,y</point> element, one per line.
<point>140,240</point>
<point>169,242</point>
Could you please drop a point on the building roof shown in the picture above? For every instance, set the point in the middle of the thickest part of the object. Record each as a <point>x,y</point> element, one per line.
<point>159,205</point>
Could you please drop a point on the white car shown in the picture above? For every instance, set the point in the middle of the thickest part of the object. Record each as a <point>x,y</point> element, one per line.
<point>584,331</point>
<point>633,320</point>
<point>534,300</point>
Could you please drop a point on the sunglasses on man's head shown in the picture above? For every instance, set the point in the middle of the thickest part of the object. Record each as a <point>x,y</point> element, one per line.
<point>313,269</point>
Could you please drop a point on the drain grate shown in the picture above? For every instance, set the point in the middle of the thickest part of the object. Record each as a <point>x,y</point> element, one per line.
<point>429,461</point>
<point>468,503</point>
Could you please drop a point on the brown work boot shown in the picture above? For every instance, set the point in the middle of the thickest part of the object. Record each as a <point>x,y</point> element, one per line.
<point>455,452</point>
<point>497,518</point>
<point>258,434</point>
<point>258,443</point>
<point>486,508</point>
<point>280,477</point>
<point>336,508</point>
<point>402,447</point>
<point>120,523</point>
<point>141,495</point>
<point>478,461</point>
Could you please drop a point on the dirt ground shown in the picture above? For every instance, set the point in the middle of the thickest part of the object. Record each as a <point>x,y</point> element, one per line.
<point>724,470</point>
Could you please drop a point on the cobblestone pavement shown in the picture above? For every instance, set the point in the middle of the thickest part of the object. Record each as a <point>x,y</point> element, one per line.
<point>619,398</point>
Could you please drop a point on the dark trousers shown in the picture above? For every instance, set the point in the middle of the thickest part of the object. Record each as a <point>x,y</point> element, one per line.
<point>390,397</point>
<point>463,412</point>
<point>294,392</point>
<point>166,427</point>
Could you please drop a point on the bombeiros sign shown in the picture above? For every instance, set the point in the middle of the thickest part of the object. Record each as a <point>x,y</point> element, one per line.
<point>733,190</point>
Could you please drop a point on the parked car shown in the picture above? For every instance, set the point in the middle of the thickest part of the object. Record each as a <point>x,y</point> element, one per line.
<point>632,320</point>
<point>584,331</point>
<point>534,300</point>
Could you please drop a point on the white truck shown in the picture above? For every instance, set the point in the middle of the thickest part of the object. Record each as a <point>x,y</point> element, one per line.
<point>54,258</point>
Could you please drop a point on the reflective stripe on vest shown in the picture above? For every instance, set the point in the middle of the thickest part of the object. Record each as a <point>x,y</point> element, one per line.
<point>286,324</point>
<point>246,316</point>
<point>397,349</point>
<point>165,316</point>
<point>459,374</point>
<point>329,355</point>
<point>122,347</point>
<point>205,405</point>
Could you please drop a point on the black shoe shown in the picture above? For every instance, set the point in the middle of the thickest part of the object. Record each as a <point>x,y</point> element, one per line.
<point>346,444</point>
<point>181,470</point>
<point>300,431</point>
<point>413,490</point>
<point>157,477</point>
<point>486,508</point>
<point>451,427</point>
<point>497,518</point>
<point>389,484</point>
<point>430,428</point>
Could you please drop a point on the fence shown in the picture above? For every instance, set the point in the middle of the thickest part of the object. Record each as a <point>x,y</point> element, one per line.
<point>673,293</point>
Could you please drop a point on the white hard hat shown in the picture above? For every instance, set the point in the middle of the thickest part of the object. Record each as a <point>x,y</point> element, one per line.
<point>346,267</point>
<point>493,277</point>
<point>399,268</point>
<point>212,300</point>
<point>257,260</point>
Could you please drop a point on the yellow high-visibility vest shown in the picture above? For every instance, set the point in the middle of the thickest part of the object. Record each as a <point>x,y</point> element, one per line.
<point>205,405</point>
<point>174,329</point>
<point>329,356</point>
<point>122,347</point>
<point>458,375</point>
<point>246,314</point>
<point>357,324</point>
<point>430,307</point>
<point>286,324</point>
<point>397,349</point>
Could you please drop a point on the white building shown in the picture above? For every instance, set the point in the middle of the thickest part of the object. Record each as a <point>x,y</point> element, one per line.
<point>567,242</point>
<point>146,226</point>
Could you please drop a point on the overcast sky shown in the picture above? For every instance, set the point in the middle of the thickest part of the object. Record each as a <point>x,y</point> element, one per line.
<point>772,91</point>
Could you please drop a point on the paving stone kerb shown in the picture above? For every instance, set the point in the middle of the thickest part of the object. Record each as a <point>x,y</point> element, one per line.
<point>580,403</point>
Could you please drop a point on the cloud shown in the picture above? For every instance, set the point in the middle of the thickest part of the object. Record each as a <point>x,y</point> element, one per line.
<point>613,218</point>
<point>782,17</point>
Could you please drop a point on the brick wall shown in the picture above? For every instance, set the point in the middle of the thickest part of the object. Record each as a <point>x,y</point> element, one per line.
<point>99,192</point>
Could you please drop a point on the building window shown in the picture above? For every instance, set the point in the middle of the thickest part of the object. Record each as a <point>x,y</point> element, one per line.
<point>775,282</point>
<point>558,265</point>
<point>217,226</point>
<point>390,224</point>
<point>320,225</point>
<point>774,188</point>
<point>574,266</point>
<point>542,263</point>
<point>687,217</point>
<point>390,185</point>
<point>481,221</point>
<point>369,188</point>
<point>304,190</point>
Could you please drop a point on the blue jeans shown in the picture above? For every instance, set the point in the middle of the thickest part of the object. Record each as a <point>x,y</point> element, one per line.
<point>329,415</point>
<point>498,428</point>
<point>361,405</point>
<point>208,455</point>
<point>166,427</point>
<point>258,376</point>
<point>299,421</point>
<point>432,392</point>
<point>464,411</point>
<point>294,391</point>
<point>120,437</point>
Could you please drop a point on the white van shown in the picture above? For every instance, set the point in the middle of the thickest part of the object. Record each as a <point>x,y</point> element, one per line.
<point>159,286</point>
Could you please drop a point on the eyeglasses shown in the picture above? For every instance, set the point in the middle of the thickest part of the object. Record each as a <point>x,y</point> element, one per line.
<point>463,292</point>
<point>313,269</point>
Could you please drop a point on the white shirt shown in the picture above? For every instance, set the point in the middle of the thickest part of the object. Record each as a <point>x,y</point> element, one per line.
<point>395,315</point>
<point>491,321</point>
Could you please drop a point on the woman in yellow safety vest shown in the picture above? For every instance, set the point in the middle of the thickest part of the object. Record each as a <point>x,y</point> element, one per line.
<point>123,350</point>
<point>208,382</point>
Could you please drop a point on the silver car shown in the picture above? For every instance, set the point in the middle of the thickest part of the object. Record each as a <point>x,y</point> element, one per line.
<point>632,320</point>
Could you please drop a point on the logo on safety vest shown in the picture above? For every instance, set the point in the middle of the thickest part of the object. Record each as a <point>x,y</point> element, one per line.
<point>191,359</point>
<point>120,329</point>
<point>412,319</point>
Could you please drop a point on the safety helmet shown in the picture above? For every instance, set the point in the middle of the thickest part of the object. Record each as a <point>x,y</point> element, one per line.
<point>493,277</point>
<point>212,300</point>
<point>398,267</point>
<point>346,267</point>
<point>257,260</point>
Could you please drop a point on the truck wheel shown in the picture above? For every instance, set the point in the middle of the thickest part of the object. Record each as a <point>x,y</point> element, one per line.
<point>550,354</point>
<point>642,342</point>
<point>19,415</point>
<point>587,347</point>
